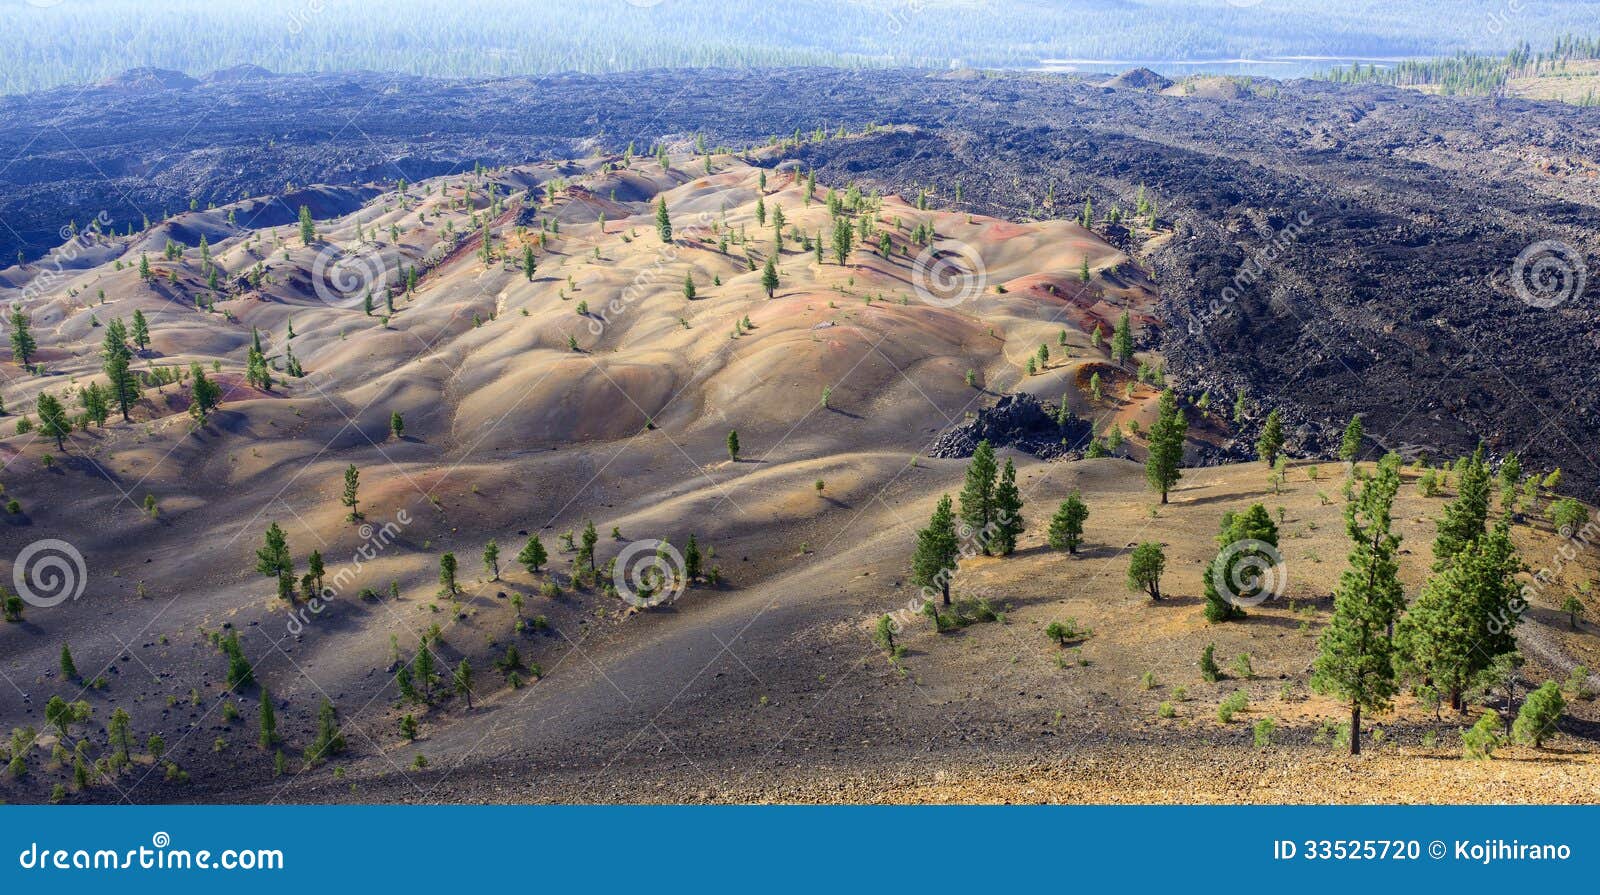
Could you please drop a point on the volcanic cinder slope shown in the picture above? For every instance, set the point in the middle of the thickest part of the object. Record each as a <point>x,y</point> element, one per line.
<point>1337,249</point>
<point>595,388</point>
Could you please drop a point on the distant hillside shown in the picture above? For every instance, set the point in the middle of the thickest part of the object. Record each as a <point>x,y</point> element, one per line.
<point>1569,72</point>
<point>86,40</point>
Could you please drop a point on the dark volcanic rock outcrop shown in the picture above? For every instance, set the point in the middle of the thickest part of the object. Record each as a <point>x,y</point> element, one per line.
<point>1015,421</point>
<point>1138,79</point>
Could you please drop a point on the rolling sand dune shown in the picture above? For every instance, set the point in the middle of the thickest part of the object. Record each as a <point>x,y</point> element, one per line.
<point>595,387</point>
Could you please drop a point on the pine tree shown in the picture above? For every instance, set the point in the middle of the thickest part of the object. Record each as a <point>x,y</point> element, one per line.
<point>120,737</point>
<point>422,673</point>
<point>308,229</point>
<point>1465,616</point>
<point>1350,446</point>
<point>663,220</point>
<point>1465,517</point>
<point>1008,511</point>
<point>1145,566</point>
<point>1355,659</point>
<point>240,674</point>
<point>691,559</point>
<point>352,481</point>
<point>1066,526</point>
<point>769,277</point>
<point>315,570</point>
<point>1122,340</point>
<point>141,330</point>
<point>1242,550</point>
<point>533,554</point>
<point>843,237</point>
<point>268,722</point>
<point>529,264</point>
<point>1271,440</point>
<point>404,679</point>
<point>1510,478</point>
<point>937,551</point>
<point>462,680</point>
<point>329,740</point>
<point>53,421</point>
<point>447,574</point>
<point>733,445</point>
<point>69,671</point>
<point>1540,712</point>
<point>761,211</point>
<point>124,386</point>
<point>1163,465</point>
<point>273,558</point>
<point>688,286</point>
<point>23,344</point>
<point>978,495</point>
<point>96,403</point>
<point>491,559</point>
<point>486,243</point>
<point>204,395</point>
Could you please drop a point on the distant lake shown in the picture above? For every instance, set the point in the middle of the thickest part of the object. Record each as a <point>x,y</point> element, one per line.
<point>1269,66</point>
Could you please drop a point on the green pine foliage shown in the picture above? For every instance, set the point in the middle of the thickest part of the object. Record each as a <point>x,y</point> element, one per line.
<point>1145,567</point>
<point>1270,442</point>
<point>1355,659</point>
<point>1465,616</point>
<point>937,551</point>
<point>1066,526</point>
<point>1163,465</point>
<point>1227,581</point>
<point>1008,512</point>
<point>979,509</point>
